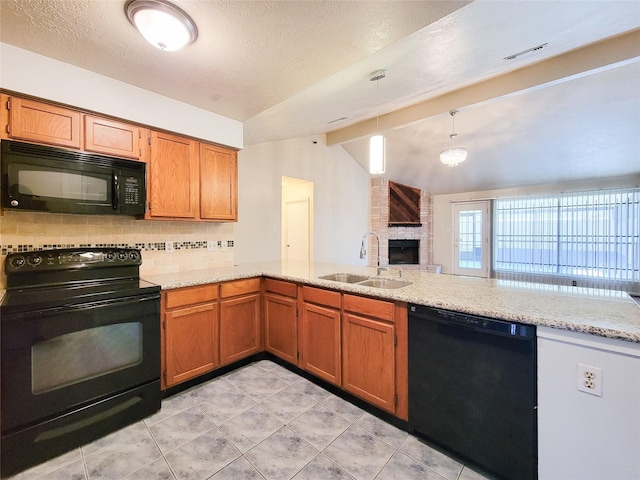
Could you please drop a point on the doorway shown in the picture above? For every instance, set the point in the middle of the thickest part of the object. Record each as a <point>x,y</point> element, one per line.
<point>297,220</point>
<point>471,239</point>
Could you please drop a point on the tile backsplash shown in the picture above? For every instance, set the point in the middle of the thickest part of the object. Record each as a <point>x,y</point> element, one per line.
<point>166,246</point>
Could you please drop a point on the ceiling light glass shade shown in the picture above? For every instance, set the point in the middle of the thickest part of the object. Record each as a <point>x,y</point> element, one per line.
<point>162,24</point>
<point>453,156</point>
<point>377,154</point>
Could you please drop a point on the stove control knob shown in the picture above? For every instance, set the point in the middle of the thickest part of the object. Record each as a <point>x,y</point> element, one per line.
<point>14,203</point>
<point>35,260</point>
<point>17,262</point>
<point>122,256</point>
<point>134,256</point>
<point>111,256</point>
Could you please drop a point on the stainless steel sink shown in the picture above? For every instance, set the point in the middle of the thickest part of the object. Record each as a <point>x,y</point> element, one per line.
<point>383,283</point>
<point>345,277</point>
<point>365,281</point>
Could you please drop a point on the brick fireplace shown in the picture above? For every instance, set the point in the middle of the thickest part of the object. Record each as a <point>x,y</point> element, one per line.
<point>380,224</point>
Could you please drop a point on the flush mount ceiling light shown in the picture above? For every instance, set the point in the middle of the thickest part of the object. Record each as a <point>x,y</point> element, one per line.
<point>162,24</point>
<point>377,147</point>
<point>454,155</point>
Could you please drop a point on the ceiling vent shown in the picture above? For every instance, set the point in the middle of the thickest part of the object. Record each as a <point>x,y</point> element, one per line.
<point>524,52</point>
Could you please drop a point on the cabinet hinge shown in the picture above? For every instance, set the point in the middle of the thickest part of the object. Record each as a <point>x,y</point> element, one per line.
<point>395,400</point>
<point>9,104</point>
<point>8,129</point>
<point>149,206</point>
<point>149,140</point>
<point>395,340</point>
<point>164,376</point>
<point>164,324</point>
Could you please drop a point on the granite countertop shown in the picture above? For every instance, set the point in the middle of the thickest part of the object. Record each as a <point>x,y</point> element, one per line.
<point>598,312</point>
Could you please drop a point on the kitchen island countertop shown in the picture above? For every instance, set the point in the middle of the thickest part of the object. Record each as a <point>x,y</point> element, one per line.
<point>598,312</point>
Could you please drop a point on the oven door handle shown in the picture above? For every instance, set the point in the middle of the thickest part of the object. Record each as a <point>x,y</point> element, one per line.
<point>87,306</point>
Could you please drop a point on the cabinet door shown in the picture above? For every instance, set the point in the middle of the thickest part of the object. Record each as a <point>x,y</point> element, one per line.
<point>280,315</point>
<point>240,331</point>
<point>369,360</point>
<point>112,138</point>
<point>191,339</point>
<point>320,352</point>
<point>218,183</point>
<point>173,176</point>
<point>43,123</point>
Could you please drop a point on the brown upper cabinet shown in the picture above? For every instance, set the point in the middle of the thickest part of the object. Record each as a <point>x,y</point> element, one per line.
<point>42,123</point>
<point>186,179</point>
<point>191,180</point>
<point>112,138</point>
<point>172,177</point>
<point>218,183</point>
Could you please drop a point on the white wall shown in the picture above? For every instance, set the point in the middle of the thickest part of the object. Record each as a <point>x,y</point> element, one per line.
<point>341,199</point>
<point>29,73</point>
<point>443,208</point>
<point>582,436</point>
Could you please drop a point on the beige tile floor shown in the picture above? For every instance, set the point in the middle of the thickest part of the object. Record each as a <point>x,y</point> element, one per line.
<point>259,422</point>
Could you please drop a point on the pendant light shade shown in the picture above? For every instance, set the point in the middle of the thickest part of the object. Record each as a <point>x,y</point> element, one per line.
<point>377,154</point>
<point>454,155</point>
<point>377,143</point>
<point>162,24</point>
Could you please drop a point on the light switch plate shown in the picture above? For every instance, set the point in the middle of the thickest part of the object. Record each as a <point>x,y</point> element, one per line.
<point>212,245</point>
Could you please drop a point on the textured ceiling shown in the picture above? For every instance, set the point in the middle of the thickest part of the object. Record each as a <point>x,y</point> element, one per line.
<point>288,68</point>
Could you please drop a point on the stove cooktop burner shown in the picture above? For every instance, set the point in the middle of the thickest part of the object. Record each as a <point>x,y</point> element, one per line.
<point>55,278</point>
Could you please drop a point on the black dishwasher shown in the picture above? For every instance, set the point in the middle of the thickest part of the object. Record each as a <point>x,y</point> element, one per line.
<point>472,389</point>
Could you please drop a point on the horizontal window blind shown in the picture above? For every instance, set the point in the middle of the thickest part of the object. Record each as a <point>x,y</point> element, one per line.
<point>593,237</point>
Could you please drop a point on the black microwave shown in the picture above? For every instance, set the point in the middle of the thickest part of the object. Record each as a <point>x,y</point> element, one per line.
<point>50,179</point>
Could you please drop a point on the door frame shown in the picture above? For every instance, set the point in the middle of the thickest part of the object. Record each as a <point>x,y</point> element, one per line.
<point>457,207</point>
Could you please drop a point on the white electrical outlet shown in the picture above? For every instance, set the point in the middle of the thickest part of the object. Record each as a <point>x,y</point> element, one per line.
<point>590,379</point>
<point>168,246</point>
<point>212,245</point>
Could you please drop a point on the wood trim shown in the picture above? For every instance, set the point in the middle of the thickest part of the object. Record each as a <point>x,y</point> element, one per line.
<point>402,360</point>
<point>239,287</point>
<point>404,204</point>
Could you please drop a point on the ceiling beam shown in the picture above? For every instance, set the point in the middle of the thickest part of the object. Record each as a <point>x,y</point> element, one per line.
<point>582,61</point>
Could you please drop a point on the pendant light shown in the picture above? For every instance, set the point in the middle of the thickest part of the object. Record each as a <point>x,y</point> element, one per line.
<point>162,24</point>
<point>377,143</point>
<point>454,155</point>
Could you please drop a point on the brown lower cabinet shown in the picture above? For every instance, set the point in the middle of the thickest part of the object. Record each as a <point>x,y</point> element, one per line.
<point>240,325</point>
<point>356,343</point>
<point>320,332</point>
<point>281,319</point>
<point>190,333</point>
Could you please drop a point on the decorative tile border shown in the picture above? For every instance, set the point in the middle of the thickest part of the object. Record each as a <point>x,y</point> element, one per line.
<point>152,246</point>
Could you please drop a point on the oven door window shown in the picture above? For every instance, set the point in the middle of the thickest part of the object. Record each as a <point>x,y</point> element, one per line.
<point>63,185</point>
<point>78,356</point>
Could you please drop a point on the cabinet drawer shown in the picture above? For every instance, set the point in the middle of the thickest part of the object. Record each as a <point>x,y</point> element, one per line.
<point>239,287</point>
<point>321,297</point>
<point>191,295</point>
<point>283,288</point>
<point>369,306</point>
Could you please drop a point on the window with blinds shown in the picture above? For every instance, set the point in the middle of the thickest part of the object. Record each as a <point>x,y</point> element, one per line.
<point>591,236</point>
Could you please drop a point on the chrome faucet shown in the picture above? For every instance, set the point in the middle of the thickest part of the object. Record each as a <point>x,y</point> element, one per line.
<point>363,251</point>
